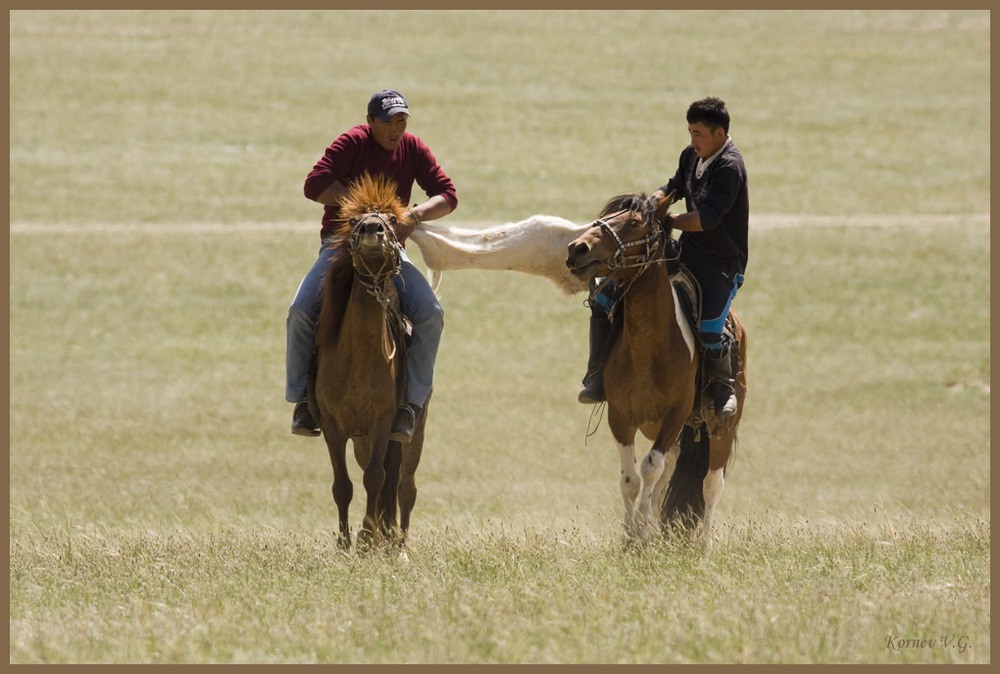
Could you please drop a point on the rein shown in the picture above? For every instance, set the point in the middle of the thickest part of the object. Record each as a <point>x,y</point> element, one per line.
<point>374,280</point>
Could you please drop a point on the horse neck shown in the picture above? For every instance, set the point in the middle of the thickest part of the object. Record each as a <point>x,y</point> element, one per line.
<point>364,317</point>
<point>649,311</point>
<point>351,327</point>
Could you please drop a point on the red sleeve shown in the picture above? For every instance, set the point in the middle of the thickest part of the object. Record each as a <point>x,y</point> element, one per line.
<point>335,164</point>
<point>432,178</point>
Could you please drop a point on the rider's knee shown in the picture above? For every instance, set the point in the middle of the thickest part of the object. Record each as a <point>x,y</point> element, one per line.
<point>301,315</point>
<point>429,317</point>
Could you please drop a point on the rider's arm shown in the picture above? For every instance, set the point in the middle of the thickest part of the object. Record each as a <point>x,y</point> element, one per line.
<point>436,207</point>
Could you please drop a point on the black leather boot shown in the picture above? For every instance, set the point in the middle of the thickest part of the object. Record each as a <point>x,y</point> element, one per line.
<point>593,381</point>
<point>405,423</point>
<point>719,371</point>
<point>303,422</point>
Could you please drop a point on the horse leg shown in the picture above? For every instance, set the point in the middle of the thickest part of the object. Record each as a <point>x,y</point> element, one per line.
<point>374,477</point>
<point>715,481</point>
<point>655,467</point>
<point>629,483</point>
<point>407,494</point>
<point>669,464</point>
<point>408,473</point>
<point>720,450</point>
<point>343,488</point>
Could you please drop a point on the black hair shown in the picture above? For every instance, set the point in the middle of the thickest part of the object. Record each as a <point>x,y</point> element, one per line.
<point>709,111</point>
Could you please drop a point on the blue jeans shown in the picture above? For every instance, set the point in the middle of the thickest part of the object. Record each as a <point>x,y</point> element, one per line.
<point>417,302</point>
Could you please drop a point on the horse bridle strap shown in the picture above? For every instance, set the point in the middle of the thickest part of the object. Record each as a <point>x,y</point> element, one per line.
<point>620,260</point>
<point>390,265</point>
<point>374,281</point>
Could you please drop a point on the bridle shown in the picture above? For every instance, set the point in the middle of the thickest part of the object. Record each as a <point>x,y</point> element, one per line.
<point>618,259</point>
<point>654,252</point>
<point>376,280</point>
<point>390,261</point>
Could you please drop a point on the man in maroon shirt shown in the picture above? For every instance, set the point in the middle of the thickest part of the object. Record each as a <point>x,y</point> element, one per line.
<point>380,147</point>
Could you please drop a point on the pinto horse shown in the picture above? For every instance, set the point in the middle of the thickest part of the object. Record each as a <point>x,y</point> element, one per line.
<point>651,371</point>
<point>360,357</point>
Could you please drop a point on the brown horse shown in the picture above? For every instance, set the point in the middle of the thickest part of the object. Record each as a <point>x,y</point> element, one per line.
<point>360,356</point>
<point>651,371</point>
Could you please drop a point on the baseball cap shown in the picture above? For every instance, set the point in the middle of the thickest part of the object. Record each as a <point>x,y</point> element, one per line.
<point>387,103</point>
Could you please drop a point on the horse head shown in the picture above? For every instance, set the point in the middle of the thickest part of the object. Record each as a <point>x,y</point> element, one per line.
<point>371,212</point>
<point>374,246</point>
<point>625,239</point>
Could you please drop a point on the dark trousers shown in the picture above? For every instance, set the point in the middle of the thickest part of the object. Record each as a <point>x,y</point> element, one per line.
<point>718,288</point>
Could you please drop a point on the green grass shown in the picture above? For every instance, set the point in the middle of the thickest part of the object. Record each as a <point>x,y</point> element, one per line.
<point>161,512</point>
<point>218,116</point>
<point>774,591</point>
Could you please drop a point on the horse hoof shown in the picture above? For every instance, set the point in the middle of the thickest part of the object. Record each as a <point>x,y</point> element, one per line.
<point>367,540</point>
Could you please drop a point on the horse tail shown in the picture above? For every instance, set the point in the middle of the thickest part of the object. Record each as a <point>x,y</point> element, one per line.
<point>684,503</point>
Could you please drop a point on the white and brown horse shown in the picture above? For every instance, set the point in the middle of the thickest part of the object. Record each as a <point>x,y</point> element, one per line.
<point>359,358</point>
<point>650,373</point>
<point>650,378</point>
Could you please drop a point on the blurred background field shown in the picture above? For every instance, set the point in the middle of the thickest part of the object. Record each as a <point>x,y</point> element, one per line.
<point>158,232</point>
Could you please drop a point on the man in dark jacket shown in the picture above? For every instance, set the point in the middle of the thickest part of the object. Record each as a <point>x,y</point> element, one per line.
<point>382,147</point>
<point>712,178</point>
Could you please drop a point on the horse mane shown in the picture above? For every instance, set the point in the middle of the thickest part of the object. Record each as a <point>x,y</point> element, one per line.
<point>627,202</point>
<point>366,194</point>
<point>338,281</point>
<point>637,203</point>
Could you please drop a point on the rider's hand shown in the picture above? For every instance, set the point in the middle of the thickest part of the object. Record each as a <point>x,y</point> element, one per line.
<point>406,225</point>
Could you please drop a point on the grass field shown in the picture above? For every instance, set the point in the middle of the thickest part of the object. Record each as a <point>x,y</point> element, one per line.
<point>160,511</point>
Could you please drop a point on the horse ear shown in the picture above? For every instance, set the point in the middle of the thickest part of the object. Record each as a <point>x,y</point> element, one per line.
<point>663,205</point>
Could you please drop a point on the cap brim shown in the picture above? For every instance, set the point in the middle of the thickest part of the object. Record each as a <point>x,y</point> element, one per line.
<point>386,115</point>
